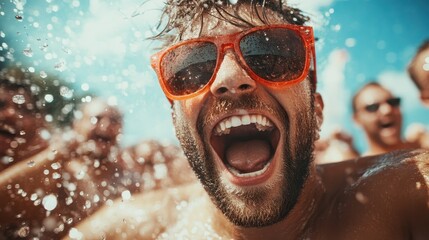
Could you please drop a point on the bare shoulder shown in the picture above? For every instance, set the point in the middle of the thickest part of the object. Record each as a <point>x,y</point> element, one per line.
<point>389,192</point>
<point>143,216</point>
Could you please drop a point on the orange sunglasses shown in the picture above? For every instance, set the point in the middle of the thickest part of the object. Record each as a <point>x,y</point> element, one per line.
<point>273,55</point>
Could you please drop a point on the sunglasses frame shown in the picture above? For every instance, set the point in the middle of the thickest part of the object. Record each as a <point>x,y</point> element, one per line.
<point>393,102</point>
<point>232,41</point>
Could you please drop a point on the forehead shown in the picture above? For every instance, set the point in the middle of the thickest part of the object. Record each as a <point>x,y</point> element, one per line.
<point>372,94</point>
<point>214,23</point>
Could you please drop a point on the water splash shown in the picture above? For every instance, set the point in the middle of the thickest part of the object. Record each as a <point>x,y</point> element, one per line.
<point>50,202</point>
<point>18,99</point>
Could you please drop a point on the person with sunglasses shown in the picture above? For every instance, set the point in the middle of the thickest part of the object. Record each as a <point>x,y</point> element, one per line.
<point>241,80</point>
<point>378,113</point>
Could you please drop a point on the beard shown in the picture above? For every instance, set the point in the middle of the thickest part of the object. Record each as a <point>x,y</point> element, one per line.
<point>260,205</point>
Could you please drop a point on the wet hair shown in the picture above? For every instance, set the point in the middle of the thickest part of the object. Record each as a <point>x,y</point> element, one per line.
<point>372,83</point>
<point>17,80</point>
<point>412,68</point>
<point>180,13</point>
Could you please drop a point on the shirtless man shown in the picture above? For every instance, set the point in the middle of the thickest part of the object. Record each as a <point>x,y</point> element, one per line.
<point>246,113</point>
<point>45,195</point>
<point>21,119</point>
<point>378,113</point>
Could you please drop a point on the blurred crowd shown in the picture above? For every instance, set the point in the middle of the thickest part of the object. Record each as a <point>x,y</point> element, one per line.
<point>52,178</point>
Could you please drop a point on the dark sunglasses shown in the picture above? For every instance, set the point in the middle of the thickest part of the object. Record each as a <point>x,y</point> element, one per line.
<point>273,55</point>
<point>393,102</point>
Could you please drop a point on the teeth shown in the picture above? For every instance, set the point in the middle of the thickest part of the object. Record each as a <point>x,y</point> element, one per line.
<point>262,123</point>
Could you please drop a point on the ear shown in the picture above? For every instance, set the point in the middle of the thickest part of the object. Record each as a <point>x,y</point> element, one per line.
<point>318,109</point>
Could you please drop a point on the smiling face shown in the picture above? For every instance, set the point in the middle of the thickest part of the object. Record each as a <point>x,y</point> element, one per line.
<point>99,127</point>
<point>383,124</point>
<point>250,145</point>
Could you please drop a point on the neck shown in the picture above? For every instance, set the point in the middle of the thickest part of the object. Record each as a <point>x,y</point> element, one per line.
<point>296,225</point>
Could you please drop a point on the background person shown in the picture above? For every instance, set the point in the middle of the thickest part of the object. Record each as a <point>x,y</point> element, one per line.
<point>22,119</point>
<point>418,70</point>
<point>378,113</point>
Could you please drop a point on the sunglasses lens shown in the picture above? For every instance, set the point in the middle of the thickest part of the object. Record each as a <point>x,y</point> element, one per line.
<point>372,107</point>
<point>275,54</point>
<point>394,102</point>
<point>188,68</point>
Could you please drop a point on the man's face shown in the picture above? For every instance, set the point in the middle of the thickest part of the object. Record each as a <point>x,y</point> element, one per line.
<point>250,145</point>
<point>421,70</point>
<point>381,121</point>
<point>100,126</point>
<point>19,122</point>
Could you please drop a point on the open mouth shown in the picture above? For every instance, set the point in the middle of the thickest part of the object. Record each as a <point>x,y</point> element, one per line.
<point>386,125</point>
<point>246,144</point>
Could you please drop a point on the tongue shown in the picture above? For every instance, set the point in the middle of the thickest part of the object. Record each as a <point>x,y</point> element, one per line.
<point>248,156</point>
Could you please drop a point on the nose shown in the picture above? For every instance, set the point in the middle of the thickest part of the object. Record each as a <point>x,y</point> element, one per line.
<point>231,79</point>
<point>385,108</point>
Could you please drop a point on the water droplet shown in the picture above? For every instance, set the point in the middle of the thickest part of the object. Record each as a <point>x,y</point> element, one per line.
<point>56,175</point>
<point>28,52</point>
<point>49,98</point>
<point>43,74</point>
<point>18,99</point>
<point>50,202</point>
<point>75,234</point>
<point>55,165</point>
<point>126,195</point>
<point>69,221</point>
<point>418,185</point>
<point>361,198</point>
<point>33,197</point>
<point>31,163</point>
<point>23,231</point>
<point>60,66</point>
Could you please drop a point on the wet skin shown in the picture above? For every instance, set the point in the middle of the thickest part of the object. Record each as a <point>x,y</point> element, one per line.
<point>382,197</point>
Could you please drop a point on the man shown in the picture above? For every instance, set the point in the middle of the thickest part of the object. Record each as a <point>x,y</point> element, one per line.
<point>47,194</point>
<point>247,114</point>
<point>21,119</point>
<point>419,71</point>
<point>378,113</point>
<point>94,149</point>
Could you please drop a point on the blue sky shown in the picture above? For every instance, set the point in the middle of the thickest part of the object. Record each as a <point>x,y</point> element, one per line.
<point>100,46</point>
